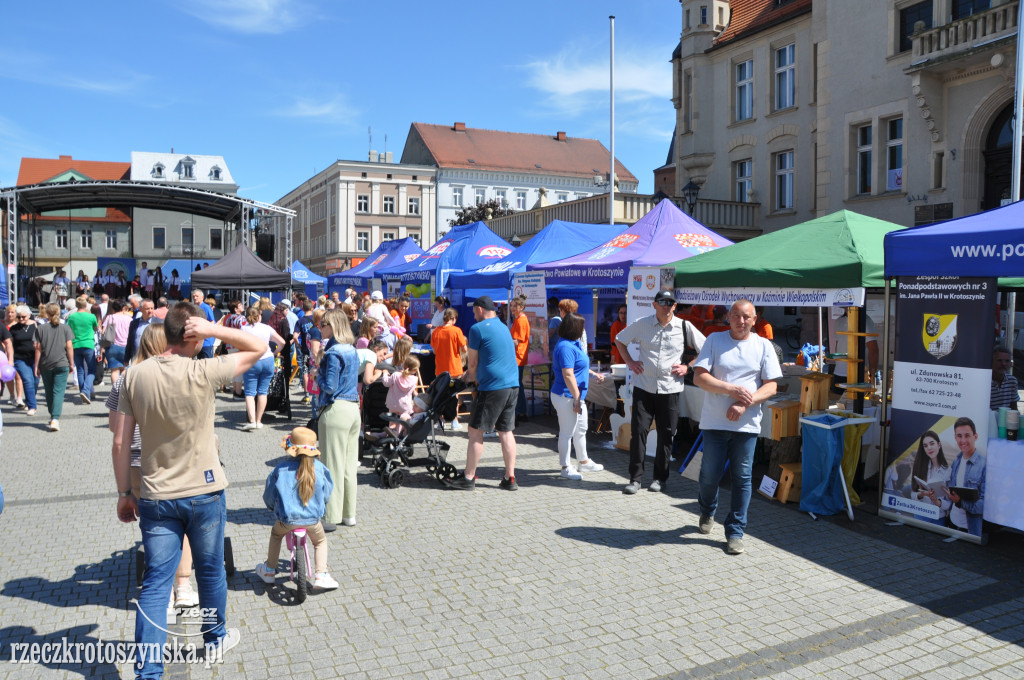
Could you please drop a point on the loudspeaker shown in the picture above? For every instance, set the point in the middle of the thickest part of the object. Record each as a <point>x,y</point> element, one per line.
<point>265,247</point>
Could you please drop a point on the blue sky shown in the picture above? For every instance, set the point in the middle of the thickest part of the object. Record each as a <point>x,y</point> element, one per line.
<point>282,88</point>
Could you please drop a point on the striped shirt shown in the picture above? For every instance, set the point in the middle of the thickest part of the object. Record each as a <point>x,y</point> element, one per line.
<point>1004,393</point>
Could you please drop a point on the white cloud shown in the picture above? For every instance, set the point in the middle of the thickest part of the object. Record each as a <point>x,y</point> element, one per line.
<point>331,110</point>
<point>576,86</point>
<point>41,69</point>
<point>247,16</point>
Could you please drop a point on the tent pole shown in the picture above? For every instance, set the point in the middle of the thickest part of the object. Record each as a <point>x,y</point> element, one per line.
<point>611,98</point>
<point>1011,321</point>
<point>882,412</point>
<point>821,349</point>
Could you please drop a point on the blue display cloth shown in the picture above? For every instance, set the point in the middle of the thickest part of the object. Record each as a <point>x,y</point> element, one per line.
<point>822,486</point>
<point>665,234</point>
<point>388,254</point>
<point>466,247</point>
<point>558,239</point>
<point>984,244</point>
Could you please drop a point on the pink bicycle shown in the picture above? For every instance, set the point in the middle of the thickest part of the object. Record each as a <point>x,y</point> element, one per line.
<point>301,565</point>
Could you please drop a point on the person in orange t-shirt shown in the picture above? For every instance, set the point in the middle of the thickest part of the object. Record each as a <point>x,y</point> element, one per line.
<point>449,345</point>
<point>401,313</point>
<point>762,327</point>
<point>521,336</point>
<point>618,325</point>
<point>719,323</point>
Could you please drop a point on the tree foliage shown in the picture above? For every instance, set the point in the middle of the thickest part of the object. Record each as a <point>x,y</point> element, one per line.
<point>479,213</point>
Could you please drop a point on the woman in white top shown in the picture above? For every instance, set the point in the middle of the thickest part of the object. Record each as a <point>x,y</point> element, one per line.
<point>256,381</point>
<point>386,323</point>
<point>437,320</point>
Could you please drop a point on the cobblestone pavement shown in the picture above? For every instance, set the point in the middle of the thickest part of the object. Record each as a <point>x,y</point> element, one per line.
<point>560,579</point>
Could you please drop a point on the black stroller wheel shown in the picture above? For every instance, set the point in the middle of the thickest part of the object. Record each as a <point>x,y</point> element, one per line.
<point>396,477</point>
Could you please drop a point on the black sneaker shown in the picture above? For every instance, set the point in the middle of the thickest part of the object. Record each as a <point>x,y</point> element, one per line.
<point>508,484</point>
<point>461,483</point>
<point>327,526</point>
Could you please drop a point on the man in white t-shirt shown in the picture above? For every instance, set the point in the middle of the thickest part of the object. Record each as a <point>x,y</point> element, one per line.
<point>739,371</point>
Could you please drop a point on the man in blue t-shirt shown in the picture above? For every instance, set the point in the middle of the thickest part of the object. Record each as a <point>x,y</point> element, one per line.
<point>492,366</point>
<point>200,301</point>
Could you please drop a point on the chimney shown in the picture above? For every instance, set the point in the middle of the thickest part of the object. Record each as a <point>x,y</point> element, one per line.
<point>389,156</point>
<point>459,127</point>
<point>373,156</point>
<point>63,158</point>
<point>560,136</point>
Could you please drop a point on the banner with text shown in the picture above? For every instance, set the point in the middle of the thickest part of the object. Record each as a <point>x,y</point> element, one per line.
<point>773,297</point>
<point>934,473</point>
<point>531,284</point>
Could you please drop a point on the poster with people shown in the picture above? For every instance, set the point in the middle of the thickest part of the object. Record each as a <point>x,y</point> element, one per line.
<point>531,285</point>
<point>934,473</point>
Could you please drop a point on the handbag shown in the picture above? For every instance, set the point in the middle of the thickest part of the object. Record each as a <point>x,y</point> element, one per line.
<point>689,354</point>
<point>109,334</point>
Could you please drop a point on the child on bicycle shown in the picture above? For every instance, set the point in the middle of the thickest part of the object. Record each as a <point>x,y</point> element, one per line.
<point>401,386</point>
<point>297,492</point>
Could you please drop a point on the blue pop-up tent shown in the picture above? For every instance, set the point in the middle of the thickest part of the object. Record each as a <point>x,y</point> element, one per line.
<point>558,239</point>
<point>467,247</point>
<point>388,254</point>
<point>663,235</point>
<point>303,276</point>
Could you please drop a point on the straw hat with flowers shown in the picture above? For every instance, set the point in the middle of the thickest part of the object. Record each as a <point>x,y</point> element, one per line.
<point>301,442</point>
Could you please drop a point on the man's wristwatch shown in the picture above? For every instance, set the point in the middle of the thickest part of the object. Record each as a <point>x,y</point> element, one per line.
<point>124,494</point>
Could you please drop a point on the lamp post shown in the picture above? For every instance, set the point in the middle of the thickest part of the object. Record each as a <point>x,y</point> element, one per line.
<point>690,192</point>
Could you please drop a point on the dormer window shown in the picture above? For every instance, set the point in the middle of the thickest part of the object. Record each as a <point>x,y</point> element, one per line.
<point>188,168</point>
<point>215,173</point>
<point>158,171</point>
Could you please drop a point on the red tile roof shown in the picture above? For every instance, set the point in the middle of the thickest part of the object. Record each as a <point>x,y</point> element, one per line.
<point>39,170</point>
<point>458,146</point>
<point>750,16</point>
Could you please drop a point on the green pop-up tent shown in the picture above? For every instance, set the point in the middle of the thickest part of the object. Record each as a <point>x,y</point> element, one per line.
<point>826,261</point>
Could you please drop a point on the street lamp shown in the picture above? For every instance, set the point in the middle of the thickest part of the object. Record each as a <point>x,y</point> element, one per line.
<point>690,192</point>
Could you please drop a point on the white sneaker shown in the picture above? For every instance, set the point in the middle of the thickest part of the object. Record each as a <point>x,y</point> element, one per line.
<point>265,573</point>
<point>323,581</point>
<point>570,473</point>
<point>259,426</point>
<point>348,521</point>
<point>30,412</point>
<point>85,398</point>
<point>591,466</point>
<point>230,640</point>
<point>248,427</point>
<point>54,425</point>
<point>456,427</point>
<point>185,598</point>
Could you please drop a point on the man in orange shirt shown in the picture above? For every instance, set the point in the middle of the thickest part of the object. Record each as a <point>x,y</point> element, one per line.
<point>618,325</point>
<point>521,336</point>
<point>449,345</point>
<point>762,327</point>
<point>720,321</point>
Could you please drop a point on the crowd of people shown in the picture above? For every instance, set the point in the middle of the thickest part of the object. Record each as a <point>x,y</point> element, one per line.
<point>150,282</point>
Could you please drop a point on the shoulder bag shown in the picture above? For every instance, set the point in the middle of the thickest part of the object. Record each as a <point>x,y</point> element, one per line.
<point>109,334</point>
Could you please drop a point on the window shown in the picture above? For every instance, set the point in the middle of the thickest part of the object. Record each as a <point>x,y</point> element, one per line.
<point>187,170</point>
<point>785,77</point>
<point>909,16</point>
<point>187,239</point>
<point>745,90</point>
<point>864,159</point>
<point>481,196</point>
<point>215,173</point>
<point>387,236</point>
<point>61,240</point>
<point>744,179</point>
<point>686,19</point>
<point>457,196</point>
<point>363,203</point>
<point>159,238</point>
<point>562,197</point>
<point>703,15</point>
<point>965,8</point>
<point>389,205</point>
<point>158,171</point>
<point>894,155</point>
<point>216,239</point>
<point>363,241</point>
<point>688,101</point>
<point>784,180</point>
<point>520,200</point>
<point>415,238</point>
<point>111,239</point>
<point>37,238</point>
<point>86,239</point>
<point>501,196</point>
<point>414,205</point>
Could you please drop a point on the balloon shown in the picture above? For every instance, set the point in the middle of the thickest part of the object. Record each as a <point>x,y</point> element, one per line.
<point>7,373</point>
<point>3,359</point>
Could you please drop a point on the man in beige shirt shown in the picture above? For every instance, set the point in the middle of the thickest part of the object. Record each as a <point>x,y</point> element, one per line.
<point>171,397</point>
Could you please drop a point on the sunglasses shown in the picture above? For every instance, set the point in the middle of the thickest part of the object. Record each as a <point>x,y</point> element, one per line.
<point>22,316</point>
<point>666,303</point>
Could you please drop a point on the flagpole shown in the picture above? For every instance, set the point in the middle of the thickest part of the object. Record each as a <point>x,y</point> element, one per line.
<point>611,174</point>
<point>1018,118</point>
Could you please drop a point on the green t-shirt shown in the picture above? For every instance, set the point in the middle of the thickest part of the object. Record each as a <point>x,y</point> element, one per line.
<point>84,326</point>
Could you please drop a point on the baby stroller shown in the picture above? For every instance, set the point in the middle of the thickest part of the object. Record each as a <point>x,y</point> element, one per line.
<point>373,425</point>
<point>392,454</point>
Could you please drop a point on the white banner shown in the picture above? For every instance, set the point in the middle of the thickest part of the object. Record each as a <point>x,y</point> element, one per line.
<point>644,283</point>
<point>773,297</point>
<point>531,284</point>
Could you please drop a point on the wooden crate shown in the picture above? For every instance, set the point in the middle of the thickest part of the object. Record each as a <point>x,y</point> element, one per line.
<point>785,419</point>
<point>789,483</point>
<point>814,392</point>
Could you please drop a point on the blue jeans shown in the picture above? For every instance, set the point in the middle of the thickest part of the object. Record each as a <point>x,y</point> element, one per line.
<point>115,356</point>
<point>163,523</point>
<point>85,368</point>
<point>738,449</point>
<point>28,381</point>
<point>257,379</point>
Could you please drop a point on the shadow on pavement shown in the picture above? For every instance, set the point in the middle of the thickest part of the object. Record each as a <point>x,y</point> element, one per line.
<point>100,583</point>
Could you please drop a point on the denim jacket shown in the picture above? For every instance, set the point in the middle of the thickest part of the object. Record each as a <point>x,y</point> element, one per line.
<point>338,375</point>
<point>974,478</point>
<point>282,494</point>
